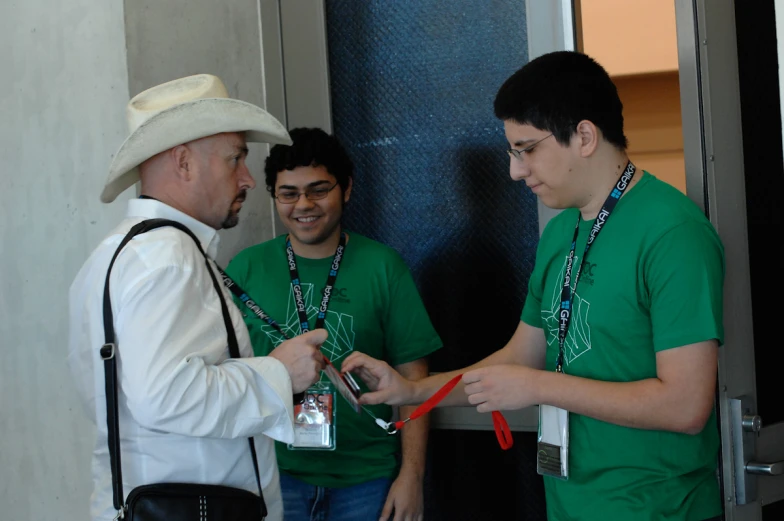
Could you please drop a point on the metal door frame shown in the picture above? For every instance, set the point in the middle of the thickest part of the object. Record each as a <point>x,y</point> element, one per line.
<point>296,67</point>
<point>713,154</point>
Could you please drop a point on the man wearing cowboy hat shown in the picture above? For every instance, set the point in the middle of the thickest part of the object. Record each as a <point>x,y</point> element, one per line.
<point>184,407</point>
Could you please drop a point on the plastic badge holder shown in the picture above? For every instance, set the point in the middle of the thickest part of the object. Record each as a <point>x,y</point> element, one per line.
<point>552,457</point>
<point>314,419</point>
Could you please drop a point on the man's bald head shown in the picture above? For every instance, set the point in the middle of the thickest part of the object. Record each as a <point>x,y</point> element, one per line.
<point>206,179</point>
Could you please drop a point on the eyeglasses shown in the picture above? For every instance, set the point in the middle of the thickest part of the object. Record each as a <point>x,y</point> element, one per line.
<point>518,154</point>
<point>312,194</point>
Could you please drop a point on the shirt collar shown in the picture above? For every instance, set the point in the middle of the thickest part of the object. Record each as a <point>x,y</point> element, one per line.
<point>154,209</point>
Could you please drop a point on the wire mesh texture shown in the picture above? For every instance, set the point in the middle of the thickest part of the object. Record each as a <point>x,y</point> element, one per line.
<point>412,84</point>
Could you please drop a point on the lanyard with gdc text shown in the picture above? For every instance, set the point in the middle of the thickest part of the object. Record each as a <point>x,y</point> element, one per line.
<point>566,291</point>
<point>243,296</point>
<point>252,306</point>
<point>299,298</point>
<point>500,425</point>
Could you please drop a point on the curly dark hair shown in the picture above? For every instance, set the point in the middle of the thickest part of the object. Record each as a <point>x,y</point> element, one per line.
<point>310,147</point>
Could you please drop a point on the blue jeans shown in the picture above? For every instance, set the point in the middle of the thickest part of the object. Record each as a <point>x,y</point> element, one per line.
<point>304,502</point>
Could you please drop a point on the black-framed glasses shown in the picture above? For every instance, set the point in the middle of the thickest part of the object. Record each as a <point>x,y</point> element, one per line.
<point>518,154</point>
<point>313,194</point>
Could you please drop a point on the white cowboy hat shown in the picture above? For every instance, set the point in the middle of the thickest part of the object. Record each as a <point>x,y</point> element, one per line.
<point>181,111</point>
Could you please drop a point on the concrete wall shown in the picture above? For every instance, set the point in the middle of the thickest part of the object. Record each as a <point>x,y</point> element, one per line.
<point>66,80</point>
<point>61,98</point>
<point>175,38</point>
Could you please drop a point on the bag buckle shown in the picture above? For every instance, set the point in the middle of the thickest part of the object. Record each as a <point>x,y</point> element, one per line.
<point>121,512</point>
<point>107,353</point>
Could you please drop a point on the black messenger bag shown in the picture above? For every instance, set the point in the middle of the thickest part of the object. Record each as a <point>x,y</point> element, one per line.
<point>171,501</point>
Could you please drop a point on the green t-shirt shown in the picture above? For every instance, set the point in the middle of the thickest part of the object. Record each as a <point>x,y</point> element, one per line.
<point>375,308</point>
<point>652,281</point>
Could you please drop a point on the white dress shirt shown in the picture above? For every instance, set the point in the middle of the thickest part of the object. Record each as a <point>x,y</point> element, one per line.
<point>186,409</point>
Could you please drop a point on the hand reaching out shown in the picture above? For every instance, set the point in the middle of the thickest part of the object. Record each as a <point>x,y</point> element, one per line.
<point>386,384</point>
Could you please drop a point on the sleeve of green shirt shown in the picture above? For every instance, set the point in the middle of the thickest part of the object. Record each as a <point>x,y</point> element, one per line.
<point>684,279</point>
<point>409,333</point>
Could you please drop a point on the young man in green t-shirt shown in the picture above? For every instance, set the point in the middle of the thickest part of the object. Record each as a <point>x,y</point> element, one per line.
<point>633,321</point>
<point>371,306</point>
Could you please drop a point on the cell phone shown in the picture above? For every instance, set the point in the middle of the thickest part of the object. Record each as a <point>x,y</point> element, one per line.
<point>352,384</point>
<point>345,384</point>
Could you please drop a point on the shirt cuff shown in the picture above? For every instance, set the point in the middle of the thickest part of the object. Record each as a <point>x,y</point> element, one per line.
<point>273,376</point>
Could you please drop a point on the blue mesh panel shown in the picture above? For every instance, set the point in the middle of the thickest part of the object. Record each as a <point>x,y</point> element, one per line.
<point>412,86</point>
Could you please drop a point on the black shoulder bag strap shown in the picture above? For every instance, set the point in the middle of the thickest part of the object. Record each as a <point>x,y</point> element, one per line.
<point>108,351</point>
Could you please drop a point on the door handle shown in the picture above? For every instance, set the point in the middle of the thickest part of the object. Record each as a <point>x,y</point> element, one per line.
<point>765,469</point>
<point>750,423</point>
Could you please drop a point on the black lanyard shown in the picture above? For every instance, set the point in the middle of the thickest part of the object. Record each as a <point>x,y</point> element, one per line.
<point>243,296</point>
<point>249,303</point>
<point>299,298</point>
<point>565,317</point>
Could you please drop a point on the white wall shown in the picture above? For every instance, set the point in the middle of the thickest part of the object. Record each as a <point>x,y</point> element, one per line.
<point>63,80</point>
<point>65,83</point>
<point>175,38</point>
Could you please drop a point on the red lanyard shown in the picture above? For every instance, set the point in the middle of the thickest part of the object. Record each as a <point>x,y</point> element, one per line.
<point>502,431</point>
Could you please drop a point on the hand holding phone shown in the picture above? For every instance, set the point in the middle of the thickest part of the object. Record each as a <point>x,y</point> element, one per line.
<point>345,384</point>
